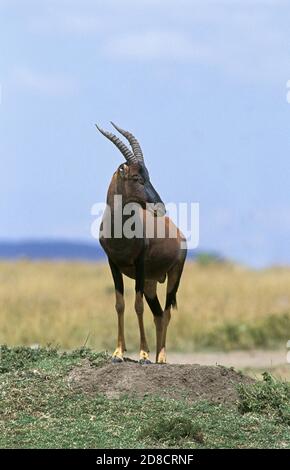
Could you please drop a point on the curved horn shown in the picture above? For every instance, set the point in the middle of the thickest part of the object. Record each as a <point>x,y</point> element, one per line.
<point>132,140</point>
<point>129,156</point>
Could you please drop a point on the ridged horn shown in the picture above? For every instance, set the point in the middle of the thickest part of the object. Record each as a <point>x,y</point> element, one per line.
<point>132,141</point>
<point>129,156</point>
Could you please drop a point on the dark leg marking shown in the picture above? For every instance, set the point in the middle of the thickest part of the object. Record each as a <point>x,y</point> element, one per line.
<point>140,275</point>
<point>154,305</point>
<point>117,276</point>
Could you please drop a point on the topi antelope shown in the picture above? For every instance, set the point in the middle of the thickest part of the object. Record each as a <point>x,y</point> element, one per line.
<point>147,259</point>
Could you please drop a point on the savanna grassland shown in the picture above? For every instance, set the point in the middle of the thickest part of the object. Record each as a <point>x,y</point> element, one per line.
<point>70,307</point>
<point>220,307</point>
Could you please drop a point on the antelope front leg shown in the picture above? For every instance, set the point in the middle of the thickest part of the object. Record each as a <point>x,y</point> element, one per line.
<point>159,325</point>
<point>161,355</point>
<point>144,350</point>
<point>120,308</point>
<point>121,346</point>
<point>139,308</point>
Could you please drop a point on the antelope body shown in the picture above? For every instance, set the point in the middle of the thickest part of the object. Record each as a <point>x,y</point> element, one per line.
<point>147,259</point>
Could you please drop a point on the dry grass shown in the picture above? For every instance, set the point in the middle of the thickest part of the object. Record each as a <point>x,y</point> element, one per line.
<point>220,306</point>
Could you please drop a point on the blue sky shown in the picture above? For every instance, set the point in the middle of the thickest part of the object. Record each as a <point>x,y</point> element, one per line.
<point>201,83</point>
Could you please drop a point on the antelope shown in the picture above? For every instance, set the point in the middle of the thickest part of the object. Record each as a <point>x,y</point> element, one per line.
<point>147,260</point>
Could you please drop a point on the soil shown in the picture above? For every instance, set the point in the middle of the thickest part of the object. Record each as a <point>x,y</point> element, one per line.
<point>190,381</point>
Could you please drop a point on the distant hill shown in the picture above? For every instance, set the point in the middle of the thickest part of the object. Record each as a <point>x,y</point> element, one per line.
<point>75,250</point>
<point>50,249</point>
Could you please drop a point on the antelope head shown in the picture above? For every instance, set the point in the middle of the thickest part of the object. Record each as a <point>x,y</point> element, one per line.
<point>131,179</point>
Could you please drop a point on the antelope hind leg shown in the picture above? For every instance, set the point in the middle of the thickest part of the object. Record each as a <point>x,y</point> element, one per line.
<point>174,276</point>
<point>150,290</point>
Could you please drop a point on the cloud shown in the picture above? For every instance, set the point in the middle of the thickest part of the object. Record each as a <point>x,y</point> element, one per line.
<point>65,24</point>
<point>155,45</point>
<point>251,44</point>
<point>52,85</point>
<point>247,39</point>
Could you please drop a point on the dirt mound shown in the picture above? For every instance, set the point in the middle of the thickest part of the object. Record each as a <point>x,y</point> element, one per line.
<point>193,382</point>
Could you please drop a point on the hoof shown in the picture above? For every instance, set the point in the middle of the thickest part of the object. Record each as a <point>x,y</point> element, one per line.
<point>161,357</point>
<point>161,360</point>
<point>117,360</point>
<point>144,362</point>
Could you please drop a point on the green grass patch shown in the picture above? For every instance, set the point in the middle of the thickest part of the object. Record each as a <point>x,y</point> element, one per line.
<point>173,430</point>
<point>23,358</point>
<point>39,409</point>
<point>270,397</point>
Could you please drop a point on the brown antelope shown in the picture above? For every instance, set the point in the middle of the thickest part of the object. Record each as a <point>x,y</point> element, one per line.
<point>147,259</point>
